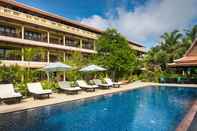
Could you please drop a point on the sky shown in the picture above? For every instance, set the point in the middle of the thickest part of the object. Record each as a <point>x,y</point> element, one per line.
<point>141,21</point>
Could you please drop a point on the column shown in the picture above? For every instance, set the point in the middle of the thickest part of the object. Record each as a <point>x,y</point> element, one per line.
<point>48,37</point>
<point>22,29</point>
<point>64,42</point>
<point>48,52</point>
<point>81,43</point>
<point>22,54</point>
<point>22,51</point>
<point>94,44</point>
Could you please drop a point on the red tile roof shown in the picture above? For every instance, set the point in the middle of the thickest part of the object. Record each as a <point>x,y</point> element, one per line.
<point>188,59</point>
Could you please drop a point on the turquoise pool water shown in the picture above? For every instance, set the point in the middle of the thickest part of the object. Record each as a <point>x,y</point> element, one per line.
<point>145,109</point>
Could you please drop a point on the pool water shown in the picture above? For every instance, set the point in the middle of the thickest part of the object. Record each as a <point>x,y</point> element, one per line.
<point>145,109</point>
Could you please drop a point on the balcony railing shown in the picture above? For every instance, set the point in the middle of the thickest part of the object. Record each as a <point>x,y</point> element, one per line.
<point>17,35</point>
<point>43,44</point>
<point>56,41</point>
<point>44,39</point>
<point>45,22</point>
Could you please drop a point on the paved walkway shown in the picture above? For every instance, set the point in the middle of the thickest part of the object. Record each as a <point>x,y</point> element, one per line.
<point>29,103</point>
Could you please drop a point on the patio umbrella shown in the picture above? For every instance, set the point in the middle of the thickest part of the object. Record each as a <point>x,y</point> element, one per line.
<point>92,68</point>
<point>57,66</point>
<point>53,67</point>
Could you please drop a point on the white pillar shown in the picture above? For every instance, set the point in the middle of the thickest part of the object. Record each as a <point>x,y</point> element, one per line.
<point>64,41</point>
<point>22,51</point>
<point>81,43</point>
<point>48,52</point>
<point>22,29</point>
<point>48,37</point>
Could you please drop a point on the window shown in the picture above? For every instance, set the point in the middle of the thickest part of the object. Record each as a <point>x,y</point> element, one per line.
<point>56,39</point>
<point>72,41</point>
<point>88,44</point>
<point>10,53</point>
<point>36,36</point>
<point>6,30</point>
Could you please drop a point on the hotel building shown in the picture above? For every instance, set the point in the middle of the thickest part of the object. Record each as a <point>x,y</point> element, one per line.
<point>23,27</point>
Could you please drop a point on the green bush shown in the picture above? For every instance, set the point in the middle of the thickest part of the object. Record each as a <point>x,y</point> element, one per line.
<point>50,85</point>
<point>22,88</point>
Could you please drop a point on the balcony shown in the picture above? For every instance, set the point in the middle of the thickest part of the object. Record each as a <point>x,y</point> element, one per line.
<point>9,31</point>
<point>56,39</point>
<point>12,14</point>
<point>24,64</point>
<point>35,36</point>
<point>88,44</point>
<point>33,43</point>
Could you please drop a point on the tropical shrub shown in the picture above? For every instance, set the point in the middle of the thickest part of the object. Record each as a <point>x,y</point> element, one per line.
<point>22,88</point>
<point>10,74</point>
<point>50,85</point>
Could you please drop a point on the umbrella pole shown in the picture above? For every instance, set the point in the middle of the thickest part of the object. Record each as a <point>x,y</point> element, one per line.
<point>64,76</point>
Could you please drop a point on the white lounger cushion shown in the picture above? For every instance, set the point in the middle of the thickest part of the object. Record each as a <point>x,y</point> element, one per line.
<point>36,88</point>
<point>64,85</point>
<point>99,82</point>
<point>109,81</point>
<point>7,91</point>
<point>83,84</point>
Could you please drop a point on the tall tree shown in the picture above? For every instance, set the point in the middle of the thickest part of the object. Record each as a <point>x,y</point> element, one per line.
<point>115,54</point>
<point>192,34</point>
<point>170,40</point>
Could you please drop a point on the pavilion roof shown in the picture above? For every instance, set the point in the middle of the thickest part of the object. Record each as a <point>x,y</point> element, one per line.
<point>189,59</point>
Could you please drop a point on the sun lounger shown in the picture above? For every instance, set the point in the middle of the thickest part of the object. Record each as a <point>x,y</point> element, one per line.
<point>8,94</point>
<point>66,87</point>
<point>115,84</point>
<point>83,85</point>
<point>37,91</point>
<point>101,85</point>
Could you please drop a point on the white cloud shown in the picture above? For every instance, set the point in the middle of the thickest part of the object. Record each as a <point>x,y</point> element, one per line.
<point>149,20</point>
<point>96,21</point>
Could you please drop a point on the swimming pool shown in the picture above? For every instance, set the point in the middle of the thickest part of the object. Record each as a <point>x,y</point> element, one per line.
<point>145,109</point>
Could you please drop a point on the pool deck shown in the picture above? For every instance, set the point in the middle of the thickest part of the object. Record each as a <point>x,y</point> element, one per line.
<point>56,98</point>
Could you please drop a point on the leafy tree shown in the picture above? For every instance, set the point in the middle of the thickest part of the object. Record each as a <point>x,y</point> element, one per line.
<point>172,46</point>
<point>161,58</point>
<point>77,61</point>
<point>171,41</point>
<point>115,54</point>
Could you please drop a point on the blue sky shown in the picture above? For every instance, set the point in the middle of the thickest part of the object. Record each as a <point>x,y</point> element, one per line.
<point>143,21</point>
<point>77,9</point>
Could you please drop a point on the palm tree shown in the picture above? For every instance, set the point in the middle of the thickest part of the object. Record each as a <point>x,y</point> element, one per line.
<point>171,41</point>
<point>192,34</point>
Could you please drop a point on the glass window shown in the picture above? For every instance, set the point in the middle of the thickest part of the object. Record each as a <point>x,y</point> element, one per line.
<point>10,53</point>
<point>72,41</point>
<point>88,44</point>
<point>36,36</point>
